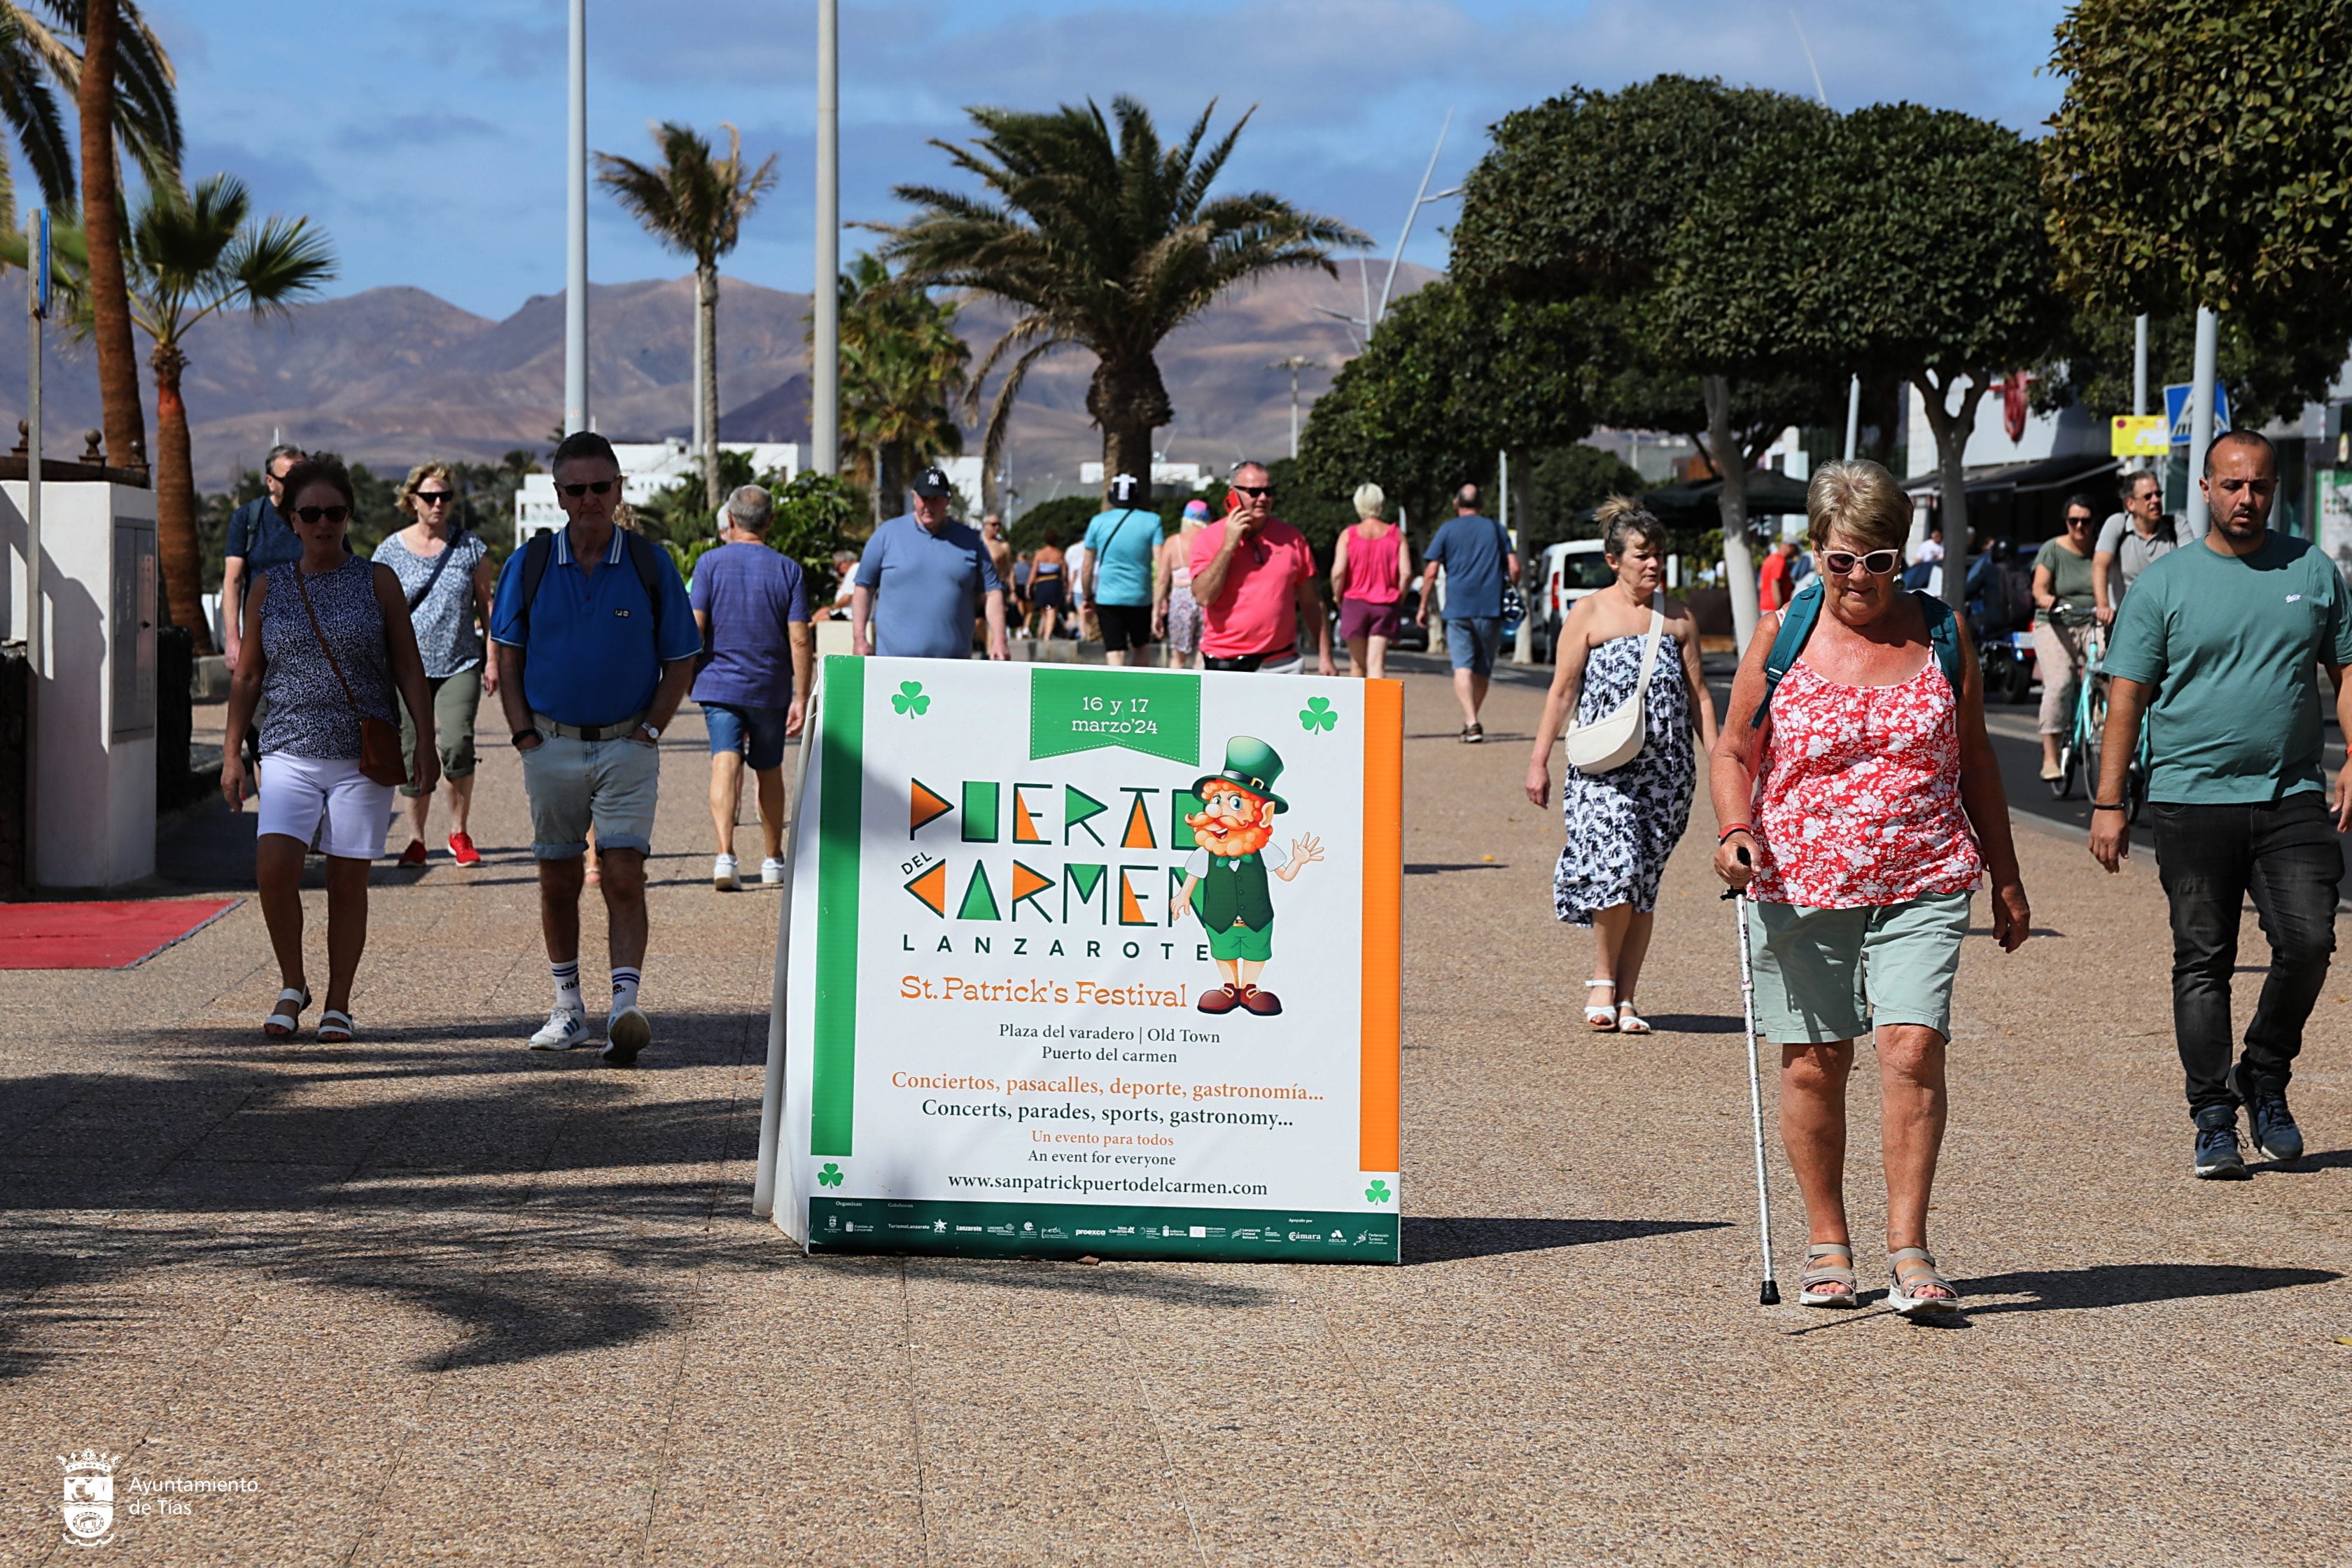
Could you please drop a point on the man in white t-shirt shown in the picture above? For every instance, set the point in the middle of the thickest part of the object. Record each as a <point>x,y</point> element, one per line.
<point>2133,540</point>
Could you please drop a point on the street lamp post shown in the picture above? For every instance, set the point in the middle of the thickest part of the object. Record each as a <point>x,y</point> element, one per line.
<point>575,268</point>
<point>1293,364</point>
<point>824,346</point>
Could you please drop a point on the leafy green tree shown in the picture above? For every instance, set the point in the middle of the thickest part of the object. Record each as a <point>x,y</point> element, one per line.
<point>2273,362</point>
<point>1587,195</point>
<point>902,366</point>
<point>1104,240</point>
<point>1900,240</point>
<point>1567,481</point>
<point>695,205</point>
<point>189,254</point>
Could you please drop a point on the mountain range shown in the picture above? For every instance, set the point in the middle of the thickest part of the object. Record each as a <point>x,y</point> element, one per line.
<point>391,376</point>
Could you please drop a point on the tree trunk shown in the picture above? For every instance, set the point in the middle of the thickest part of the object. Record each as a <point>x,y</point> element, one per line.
<point>1724,450</point>
<point>175,500</point>
<point>706,330</point>
<point>1951,468</point>
<point>1128,402</point>
<point>109,293</point>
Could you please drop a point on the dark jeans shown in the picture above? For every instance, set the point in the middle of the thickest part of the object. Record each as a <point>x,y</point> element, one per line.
<point>2286,855</point>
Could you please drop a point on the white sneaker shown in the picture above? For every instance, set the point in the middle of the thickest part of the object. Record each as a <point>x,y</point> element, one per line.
<point>772,871</point>
<point>562,1031</point>
<point>627,1033</point>
<point>722,873</point>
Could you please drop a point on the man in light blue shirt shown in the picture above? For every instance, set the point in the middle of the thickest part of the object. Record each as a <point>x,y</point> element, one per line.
<point>923,581</point>
<point>1121,544</point>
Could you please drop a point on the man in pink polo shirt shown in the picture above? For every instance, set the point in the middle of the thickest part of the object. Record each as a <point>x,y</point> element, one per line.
<point>1254,578</point>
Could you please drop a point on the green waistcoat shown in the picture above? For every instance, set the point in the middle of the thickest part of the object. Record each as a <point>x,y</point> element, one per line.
<point>1234,891</point>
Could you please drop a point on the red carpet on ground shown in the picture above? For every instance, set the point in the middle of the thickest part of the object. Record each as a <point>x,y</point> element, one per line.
<point>103,935</point>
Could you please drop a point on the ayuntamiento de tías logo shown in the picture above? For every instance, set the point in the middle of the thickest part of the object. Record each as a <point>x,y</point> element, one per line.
<point>89,1495</point>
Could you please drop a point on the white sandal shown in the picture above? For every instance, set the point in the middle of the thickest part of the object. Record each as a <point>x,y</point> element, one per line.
<point>1629,1021</point>
<point>1601,1020</point>
<point>274,1030</point>
<point>334,1028</point>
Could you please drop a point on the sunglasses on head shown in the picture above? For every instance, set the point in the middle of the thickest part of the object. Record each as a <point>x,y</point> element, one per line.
<point>435,497</point>
<point>1877,563</point>
<point>313,513</point>
<point>600,486</point>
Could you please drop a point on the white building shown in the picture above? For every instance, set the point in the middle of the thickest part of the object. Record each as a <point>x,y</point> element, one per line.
<point>1183,477</point>
<point>647,468</point>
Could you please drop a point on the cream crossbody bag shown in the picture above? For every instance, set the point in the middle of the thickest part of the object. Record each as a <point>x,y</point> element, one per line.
<point>1615,738</point>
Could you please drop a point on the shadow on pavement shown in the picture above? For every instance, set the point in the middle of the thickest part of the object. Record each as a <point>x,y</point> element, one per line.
<point>1451,1240</point>
<point>1695,1023</point>
<point>1439,867</point>
<point>2132,1284</point>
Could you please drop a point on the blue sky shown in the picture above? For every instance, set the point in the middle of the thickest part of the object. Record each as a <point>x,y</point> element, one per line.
<point>427,138</point>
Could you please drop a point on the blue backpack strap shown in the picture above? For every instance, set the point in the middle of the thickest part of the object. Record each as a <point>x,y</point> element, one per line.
<point>1796,624</point>
<point>1944,634</point>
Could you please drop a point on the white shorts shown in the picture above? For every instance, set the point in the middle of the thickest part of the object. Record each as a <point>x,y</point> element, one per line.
<point>296,792</point>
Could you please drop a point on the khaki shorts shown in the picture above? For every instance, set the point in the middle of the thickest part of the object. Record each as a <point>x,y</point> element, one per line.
<point>1836,974</point>
<point>573,785</point>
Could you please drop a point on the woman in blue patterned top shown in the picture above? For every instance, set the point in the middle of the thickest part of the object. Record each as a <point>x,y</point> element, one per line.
<point>326,640</point>
<point>446,579</point>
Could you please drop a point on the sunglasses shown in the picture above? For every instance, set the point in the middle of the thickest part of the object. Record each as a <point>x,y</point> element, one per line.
<point>1261,491</point>
<point>600,486</point>
<point>434,498</point>
<point>2078,523</point>
<point>313,513</point>
<point>1877,563</point>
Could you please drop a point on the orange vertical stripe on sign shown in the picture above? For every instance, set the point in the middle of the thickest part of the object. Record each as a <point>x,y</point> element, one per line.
<point>1383,1004</point>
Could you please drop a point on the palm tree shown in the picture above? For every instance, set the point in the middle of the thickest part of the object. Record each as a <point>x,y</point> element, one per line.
<point>695,205</point>
<point>191,255</point>
<point>1109,243</point>
<point>902,363</point>
<point>121,69</point>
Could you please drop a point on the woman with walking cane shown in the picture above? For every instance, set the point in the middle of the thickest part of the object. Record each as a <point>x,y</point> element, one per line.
<point>1859,803</point>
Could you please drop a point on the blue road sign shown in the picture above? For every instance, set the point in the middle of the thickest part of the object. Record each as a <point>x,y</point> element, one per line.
<point>2176,410</point>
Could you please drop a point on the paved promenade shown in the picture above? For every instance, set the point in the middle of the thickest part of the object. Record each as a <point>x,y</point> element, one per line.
<point>440,1300</point>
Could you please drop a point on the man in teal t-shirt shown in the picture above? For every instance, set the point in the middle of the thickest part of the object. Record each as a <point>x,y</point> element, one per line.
<point>2220,643</point>
<point>1120,545</point>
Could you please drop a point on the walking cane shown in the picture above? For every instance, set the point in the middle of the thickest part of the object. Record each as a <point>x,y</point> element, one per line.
<point>1770,1295</point>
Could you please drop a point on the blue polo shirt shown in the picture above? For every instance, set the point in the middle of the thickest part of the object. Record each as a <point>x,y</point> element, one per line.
<point>1475,555</point>
<point>591,657</point>
<point>263,539</point>
<point>927,587</point>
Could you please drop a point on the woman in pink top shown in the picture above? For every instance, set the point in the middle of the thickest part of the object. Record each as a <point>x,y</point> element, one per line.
<point>1368,570</point>
<point>1880,809</point>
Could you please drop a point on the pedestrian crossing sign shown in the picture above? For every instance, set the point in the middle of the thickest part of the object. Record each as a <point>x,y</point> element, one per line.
<point>2177,406</point>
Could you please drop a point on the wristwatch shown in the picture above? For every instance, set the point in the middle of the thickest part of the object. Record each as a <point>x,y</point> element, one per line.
<point>530,734</point>
<point>653,732</point>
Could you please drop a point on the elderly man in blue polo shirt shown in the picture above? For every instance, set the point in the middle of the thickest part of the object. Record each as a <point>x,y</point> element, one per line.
<point>596,644</point>
<point>923,581</point>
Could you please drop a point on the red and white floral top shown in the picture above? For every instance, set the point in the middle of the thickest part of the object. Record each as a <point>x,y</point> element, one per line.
<point>1861,797</point>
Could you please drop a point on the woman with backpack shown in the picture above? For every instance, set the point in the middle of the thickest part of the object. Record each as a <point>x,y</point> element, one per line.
<point>1627,669</point>
<point>1859,805</point>
<point>444,574</point>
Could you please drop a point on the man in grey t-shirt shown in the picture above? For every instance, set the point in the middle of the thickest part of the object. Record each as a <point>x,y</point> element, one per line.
<point>2133,538</point>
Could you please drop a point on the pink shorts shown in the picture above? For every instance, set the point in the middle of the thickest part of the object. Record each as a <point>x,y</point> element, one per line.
<point>1360,619</point>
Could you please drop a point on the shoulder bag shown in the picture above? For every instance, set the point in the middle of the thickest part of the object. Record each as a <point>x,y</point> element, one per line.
<point>380,759</point>
<point>1615,738</point>
<point>434,577</point>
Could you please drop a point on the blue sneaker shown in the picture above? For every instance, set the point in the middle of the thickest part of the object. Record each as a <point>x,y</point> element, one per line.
<point>2267,1116</point>
<point>2218,1159</point>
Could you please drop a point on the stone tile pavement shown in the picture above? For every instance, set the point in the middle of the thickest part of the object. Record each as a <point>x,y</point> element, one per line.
<point>440,1300</point>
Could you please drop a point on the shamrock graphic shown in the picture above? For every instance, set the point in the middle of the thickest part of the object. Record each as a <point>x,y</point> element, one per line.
<point>1378,1193</point>
<point>1318,715</point>
<point>910,699</point>
<point>830,1176</point>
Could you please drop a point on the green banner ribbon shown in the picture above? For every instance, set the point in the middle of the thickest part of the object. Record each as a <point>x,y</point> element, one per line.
<point>1085,708</point>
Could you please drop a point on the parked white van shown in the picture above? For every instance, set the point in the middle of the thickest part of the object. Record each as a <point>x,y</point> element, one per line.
<point>1569,571</point>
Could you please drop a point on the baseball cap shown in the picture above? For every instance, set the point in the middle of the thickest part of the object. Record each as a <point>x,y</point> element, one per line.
<point>1197,509</point>
<point>933,482</point>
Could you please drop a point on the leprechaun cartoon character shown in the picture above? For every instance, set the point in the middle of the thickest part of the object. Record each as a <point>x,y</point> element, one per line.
<point>1224,880</point>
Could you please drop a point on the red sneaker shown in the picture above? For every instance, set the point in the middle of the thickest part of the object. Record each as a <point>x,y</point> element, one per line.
<point>461,849</point>
<point>413,855</point>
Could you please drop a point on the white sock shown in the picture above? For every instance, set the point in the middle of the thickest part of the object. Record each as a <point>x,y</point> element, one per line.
<point>624,989</point>
<point>567,986</point>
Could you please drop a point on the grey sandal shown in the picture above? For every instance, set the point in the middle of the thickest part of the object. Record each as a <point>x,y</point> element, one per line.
<point>1831,1274</point>
<point>1907,1300</point>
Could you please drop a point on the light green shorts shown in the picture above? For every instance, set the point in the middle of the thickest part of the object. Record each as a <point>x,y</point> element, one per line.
<point>1836,974</point>
<point>1241,944</point>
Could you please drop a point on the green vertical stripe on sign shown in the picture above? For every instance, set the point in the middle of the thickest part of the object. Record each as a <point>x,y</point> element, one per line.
<point>832,1061</point>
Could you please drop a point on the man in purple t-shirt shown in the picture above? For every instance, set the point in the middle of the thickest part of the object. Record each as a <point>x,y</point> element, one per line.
<point>753,679</point>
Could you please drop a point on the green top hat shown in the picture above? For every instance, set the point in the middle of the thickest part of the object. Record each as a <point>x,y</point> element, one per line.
<point>1253,764</point>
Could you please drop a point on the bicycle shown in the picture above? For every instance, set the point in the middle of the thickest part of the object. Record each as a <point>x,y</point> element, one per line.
<point>2083,742</point>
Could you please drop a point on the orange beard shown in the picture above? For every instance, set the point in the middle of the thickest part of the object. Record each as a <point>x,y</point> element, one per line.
<point>1239,839</point>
